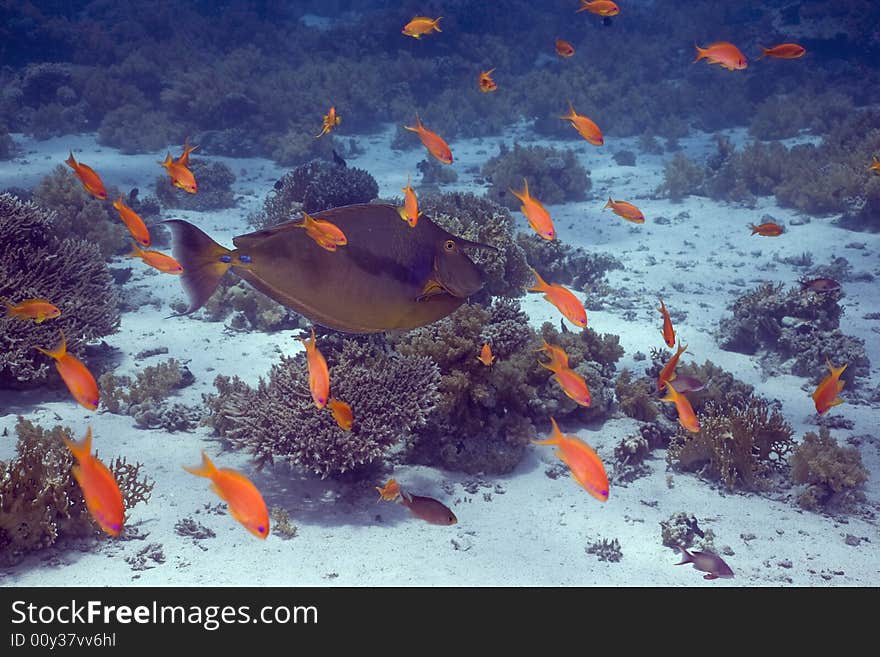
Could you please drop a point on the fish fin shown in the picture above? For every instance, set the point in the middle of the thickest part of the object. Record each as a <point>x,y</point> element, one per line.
<point>686,556</point>
<point>540,285</point>
<point>81,449</point>
<point>432,289</point>
<point>711,575</point>
<point>419,127</point>
<point>701,53</point>
<point>200,257</point>
<point>206,469</point>
<point>435,25</point>
<point>71,161</point>
<point>167,162</point>
<point>59,351</point>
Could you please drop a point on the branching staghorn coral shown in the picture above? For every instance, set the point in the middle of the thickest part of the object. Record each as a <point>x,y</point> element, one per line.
<point>41,502</point>
<point>34,263</point>
<point>390,395</point>
<point>740,446</point>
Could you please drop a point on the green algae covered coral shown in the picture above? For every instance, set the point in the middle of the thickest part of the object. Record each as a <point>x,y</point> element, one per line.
<point>833,476</point>
<point>36,263</point>
<point>40,501</point>
<point>391,396</point>
<point>740,446</point>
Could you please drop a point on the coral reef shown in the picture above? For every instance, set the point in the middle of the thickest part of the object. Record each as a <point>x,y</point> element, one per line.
<point>145,398</point>
<point>40,501</point>
<point>313,187</point>
<point>434,173</point>
<point>79,215</point>
<point>796,324</point>
<point>215,188</point>
<point>554,176</point>
<point>134,128</point>
<point>250,309</point>
<point>36,263</point>
<point>567,265</point>
<point>605,550</point>
<point>740,446</point>
<point>833,475</point>
<point>681,178</point>
<point>637,399</point>
<point>680,529</point>
<point>629,456</point>
<point>391,397</point>
<point>7,146</point>
<point>480,220</point>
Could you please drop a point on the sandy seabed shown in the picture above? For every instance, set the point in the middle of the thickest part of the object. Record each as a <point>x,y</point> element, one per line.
<point>523,528</point>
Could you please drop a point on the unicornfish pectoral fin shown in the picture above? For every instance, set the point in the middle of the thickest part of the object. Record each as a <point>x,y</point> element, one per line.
<point>432,289</point>
<point>204,262</point>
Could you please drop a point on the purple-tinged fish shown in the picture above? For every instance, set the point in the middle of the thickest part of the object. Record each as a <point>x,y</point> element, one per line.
<point>709,562</point>
<point>428,509</point>
<point>820,285</point>
<point>685,383</point>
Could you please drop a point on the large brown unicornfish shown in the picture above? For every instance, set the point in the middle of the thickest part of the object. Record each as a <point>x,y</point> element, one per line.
<point>388,277</point>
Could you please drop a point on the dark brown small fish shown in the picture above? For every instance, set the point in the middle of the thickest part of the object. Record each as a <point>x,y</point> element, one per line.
<point>428,509</point>
<point>389,276</point>
<point>709,562</point>
<point>820,285</point>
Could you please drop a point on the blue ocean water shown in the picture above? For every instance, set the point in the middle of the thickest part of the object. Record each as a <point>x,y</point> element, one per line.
<point>576,167</point>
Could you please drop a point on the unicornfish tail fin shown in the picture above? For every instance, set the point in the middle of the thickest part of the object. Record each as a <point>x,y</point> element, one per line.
<point>204,262</point>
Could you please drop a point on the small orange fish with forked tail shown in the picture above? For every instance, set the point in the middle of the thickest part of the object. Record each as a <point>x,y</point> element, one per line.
<point>535,212</point>
<point>875,165</point>
<point>421,25</point>
<point>567,303</point>
<point>564,48</point>
<point>668,372</point>
<point>603,8</point>
<point>486,82</point>
<point>331,120</point>
<point>389,492</point>
<point>341,413</point>
<point>767,229</point>
<point>244,500</point>
<point>825,396</point>
<point>326,234</point>
<point>724,53</point>
<point>686,416</point>
<point>90,180</point>
<point>410,210</point>
<point>432,141</point>
<point>157,260</point>
<point>573,384</point>
<point>319,374</point>
<point>586,467</point>
<point>585,126</point>
<point>784,51</point>
<point>486,356</point>
<point>38,310</point>
<point>626,210</point>
<point>668,332</point>
<point>100,490</point>
<point>132,220</point>
<point>76,376</point>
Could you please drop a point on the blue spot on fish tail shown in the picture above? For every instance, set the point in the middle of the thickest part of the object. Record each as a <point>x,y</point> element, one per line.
<point>244,258</point>
<point>226,258</point>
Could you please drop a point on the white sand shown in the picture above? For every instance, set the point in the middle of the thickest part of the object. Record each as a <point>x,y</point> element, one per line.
<point>519,529</point>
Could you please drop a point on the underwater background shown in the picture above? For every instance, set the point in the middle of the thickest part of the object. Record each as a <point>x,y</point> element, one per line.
<point>720,215</point>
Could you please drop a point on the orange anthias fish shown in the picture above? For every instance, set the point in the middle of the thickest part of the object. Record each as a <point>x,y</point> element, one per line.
<point>668,372</point>
<point>875,165</point>
<point>535,212</point>
<point>341,413</point>
<point>410,210</point>
<point>586,127</point>
<point>572,383</point>
<point>600,7</point>
<point>330,121</point>
<point>390,491</point>
<point>325,233</point>
<point>626,210</point>
<point>668,332</point>
<point>486,357</point>
<point>38,310</point>
<point>243,499</point>
<point>90,180</point>
<point>825,395</point>
<point>767,229</point>
<point>178,170</point>
<point>133,222</point>
<point>557,354</point>
<point>319,375</point>
<point>157,260</point>
<point>567,303</point>
<point>421,25</point>
<point>724,53</point>
<point>564,48</point>
<point>686,416</point>
<point>784,51</point>
<point>99,487</point>
<point>486,82</point>
<point>583,461</point>
<point>432,141</point>
<point>75,375</point>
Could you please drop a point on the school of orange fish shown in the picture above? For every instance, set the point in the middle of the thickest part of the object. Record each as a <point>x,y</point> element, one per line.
<point>245,503</point>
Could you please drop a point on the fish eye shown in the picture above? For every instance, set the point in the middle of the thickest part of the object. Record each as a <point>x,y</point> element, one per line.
<point>449,246</point>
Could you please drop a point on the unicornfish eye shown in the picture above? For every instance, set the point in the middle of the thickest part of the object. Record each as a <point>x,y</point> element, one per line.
<point>449,246</point>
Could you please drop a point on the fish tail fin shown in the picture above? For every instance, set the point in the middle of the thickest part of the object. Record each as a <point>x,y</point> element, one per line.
<point>671,393</point>
<point>836,371</point>
<point>418,127</point>
<point>136,251</point>
<point>206,469</point>
<point>571,113</point>
<point>435,24</point>
<point>59,351</point>
<point>540,284</point>
<point>167,162</point>
<point>554,437</point>
<point>119,204</point>
<point>71,161</point>
<point>9,306</point>
<point>609,204</point>
<point>686,556</point>
<point>204,261</point>
<point>764,52</point>
<point>754,228</point>
<point>701,53</point>
<point>82,448</point>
